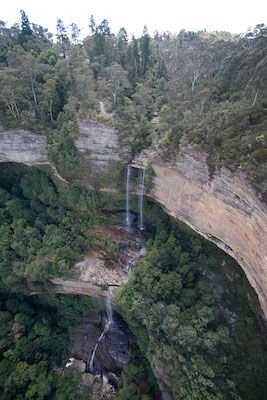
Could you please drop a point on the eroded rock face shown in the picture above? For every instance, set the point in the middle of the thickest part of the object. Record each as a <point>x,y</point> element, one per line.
<point>98,270</point>
<point>224,209</point>
<point>99,145</point>
<point>75,286</point>
<point>22,146</point>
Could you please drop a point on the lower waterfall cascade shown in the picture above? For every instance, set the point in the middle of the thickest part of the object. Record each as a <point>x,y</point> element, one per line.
<point>108,322</point>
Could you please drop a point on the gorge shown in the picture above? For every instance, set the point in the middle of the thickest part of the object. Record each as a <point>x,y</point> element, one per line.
<point>133,224</point>
<point>225,208</point>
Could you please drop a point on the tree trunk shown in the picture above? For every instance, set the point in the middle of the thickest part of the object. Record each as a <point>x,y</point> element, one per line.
<point>50,110</point>
<point>33,90</point>
<point>255,98</point>
<point>9,106</point>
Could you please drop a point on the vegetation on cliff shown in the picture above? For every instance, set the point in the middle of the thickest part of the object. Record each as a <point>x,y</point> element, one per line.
<point>187,304</point>
<point>165,91</point>
<point>35,333</point>
<point>42,233</point>
<point>39,237</point>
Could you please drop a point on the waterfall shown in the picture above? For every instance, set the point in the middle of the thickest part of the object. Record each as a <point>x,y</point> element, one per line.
<point>141,199</point>
<point>108,323</point>
<point>91,363</point>
<point>109,307</point>
<point>128,187</point>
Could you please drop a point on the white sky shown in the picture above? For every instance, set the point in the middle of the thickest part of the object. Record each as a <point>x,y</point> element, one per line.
<point>235,16</point>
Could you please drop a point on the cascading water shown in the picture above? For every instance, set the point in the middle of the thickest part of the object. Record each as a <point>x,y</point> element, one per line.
<point>108,322</point>
<point>141,199</point>
<point>109,307</point>
<point>137,254</point>
<point>91,362</point>
<point>128,188</point>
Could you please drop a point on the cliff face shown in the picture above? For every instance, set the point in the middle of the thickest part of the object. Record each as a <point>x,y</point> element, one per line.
<point>22,146</point>
<point>224,209</point>
<point>99,145</point>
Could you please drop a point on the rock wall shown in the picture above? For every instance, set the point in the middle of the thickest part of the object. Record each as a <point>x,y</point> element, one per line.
<point>22,146</point>
<point>99,145</point>
<point>74,286</point>
<point>224,209</point>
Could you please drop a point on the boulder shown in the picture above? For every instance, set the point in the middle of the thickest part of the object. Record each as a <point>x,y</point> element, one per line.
<point>88,379</point>
<point>17,330</point>
<point>76,365</point>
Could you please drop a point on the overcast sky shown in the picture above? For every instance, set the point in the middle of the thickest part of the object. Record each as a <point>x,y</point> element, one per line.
<point>235,16</point>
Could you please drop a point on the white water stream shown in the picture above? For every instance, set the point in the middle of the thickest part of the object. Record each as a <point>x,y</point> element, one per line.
<point>108,322</point>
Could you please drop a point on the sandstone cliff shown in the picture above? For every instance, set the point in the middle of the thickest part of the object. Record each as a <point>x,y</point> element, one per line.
<point>22,146</point>
<point>224,209</point>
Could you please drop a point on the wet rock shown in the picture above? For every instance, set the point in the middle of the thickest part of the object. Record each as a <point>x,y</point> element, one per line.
<point>88,379</point>
<point>112,352</point>
<point>18,330</point>
<point>107,389</point>
<point>87,334</point>
<point>76,365</point>
<point>164,381</point>
<point>113,380</point>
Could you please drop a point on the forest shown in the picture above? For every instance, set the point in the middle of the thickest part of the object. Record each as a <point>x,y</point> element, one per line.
<point>202,88</point>
<point>188,304</point>
<point>194,315</point>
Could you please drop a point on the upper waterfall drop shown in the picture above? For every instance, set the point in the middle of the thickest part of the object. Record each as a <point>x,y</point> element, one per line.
<point>128,188</point>
<point>141,199</point>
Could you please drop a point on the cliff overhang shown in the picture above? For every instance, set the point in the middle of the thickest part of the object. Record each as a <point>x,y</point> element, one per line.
<point>224,209</point>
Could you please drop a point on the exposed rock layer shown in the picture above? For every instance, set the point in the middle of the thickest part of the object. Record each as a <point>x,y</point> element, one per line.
<point>224,209</point>
<point>22,146</point>
<point>99,145</point>
<point>73,286</point>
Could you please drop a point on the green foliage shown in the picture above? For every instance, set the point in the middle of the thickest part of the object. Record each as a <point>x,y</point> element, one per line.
<point>28,363</point>
<point>201,88</point>
<point>191,320</point>
<point>62,152</point>
<point>137,381</point>
<point>39,237</point>
<point>112,179</point>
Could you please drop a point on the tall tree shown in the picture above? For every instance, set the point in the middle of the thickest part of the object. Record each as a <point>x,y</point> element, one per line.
<point>101,39</point>
<point>62,37</point>
<point>145,50</point>
<point>114,81</point>
<point>122,41</point>
<point>75,34</point>
<point>25,24</point>
<point>92,25</point>
<point>134,58</point>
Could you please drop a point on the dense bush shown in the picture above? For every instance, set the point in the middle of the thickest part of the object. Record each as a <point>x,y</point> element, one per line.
<point>40,238</point>
<point>187,305</point>
<point>29,363</point>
